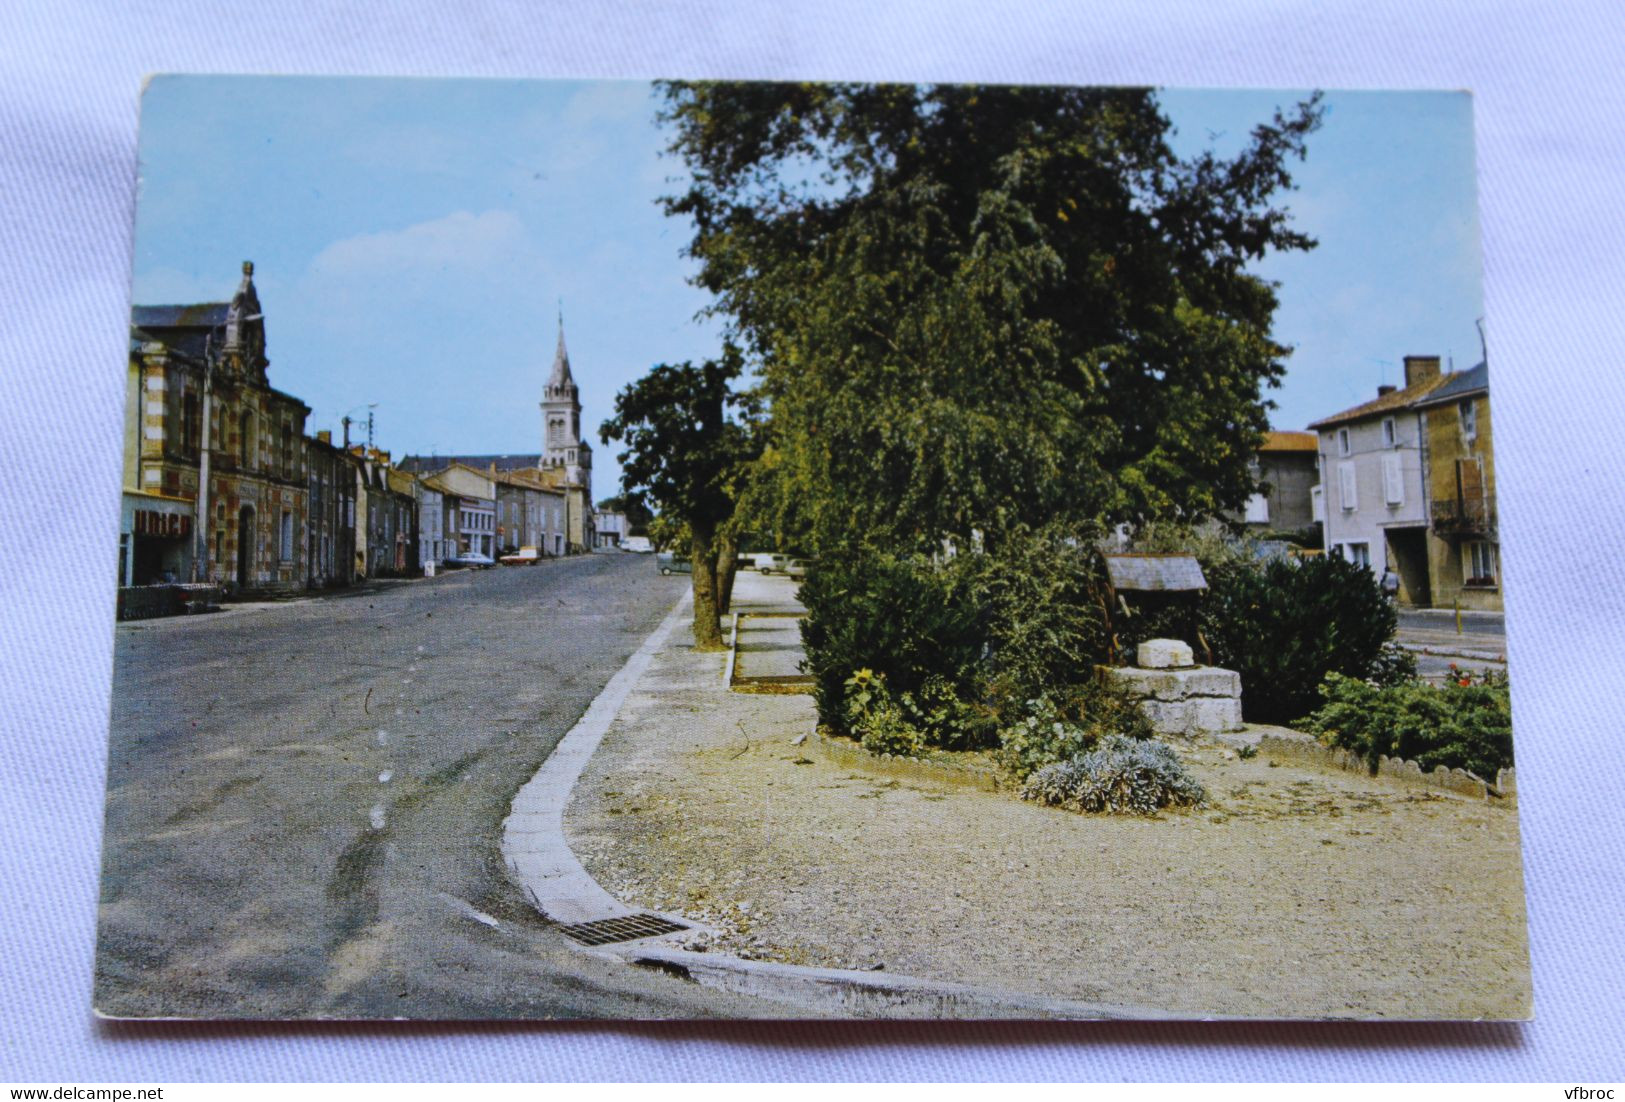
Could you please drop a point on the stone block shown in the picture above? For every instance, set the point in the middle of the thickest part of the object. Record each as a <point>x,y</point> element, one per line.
<point>1162,654</point>
<point>1168,717</point>
<point>1178,684</point>
<point>1211,715</point>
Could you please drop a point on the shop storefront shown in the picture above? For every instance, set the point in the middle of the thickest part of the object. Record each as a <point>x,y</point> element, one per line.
<point>155,540</point>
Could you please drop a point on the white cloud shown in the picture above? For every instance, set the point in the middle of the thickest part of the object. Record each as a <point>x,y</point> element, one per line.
<point>460,240</point>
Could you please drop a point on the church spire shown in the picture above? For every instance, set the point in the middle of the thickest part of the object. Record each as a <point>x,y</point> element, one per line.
<point>561,376</point>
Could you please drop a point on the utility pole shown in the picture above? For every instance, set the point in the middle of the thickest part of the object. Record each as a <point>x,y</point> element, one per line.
<point>346,420</point>
<point>200,522</point>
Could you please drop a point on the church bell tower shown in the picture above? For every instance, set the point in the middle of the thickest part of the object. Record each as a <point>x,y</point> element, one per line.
<point>562,445</point>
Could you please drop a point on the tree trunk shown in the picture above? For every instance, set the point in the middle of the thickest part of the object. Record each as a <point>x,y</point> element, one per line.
<point>707,624</point>
<point>727,567</point>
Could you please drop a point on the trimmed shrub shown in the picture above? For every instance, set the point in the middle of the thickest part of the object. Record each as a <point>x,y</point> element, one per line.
<point>1061,726</point>
<point>1286,624</point>
<point>905,619</point>
<point>1121,774</point>
<point>1464,724</point>
<point>1044,596</point>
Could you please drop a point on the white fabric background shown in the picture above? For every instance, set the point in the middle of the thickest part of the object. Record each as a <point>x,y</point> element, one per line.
<point>1549,111</point>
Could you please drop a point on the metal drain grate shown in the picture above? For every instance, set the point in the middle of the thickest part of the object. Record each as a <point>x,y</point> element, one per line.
<point>608,930</point>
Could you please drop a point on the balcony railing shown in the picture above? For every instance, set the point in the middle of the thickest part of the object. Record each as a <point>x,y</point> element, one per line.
<point>1463,518</point>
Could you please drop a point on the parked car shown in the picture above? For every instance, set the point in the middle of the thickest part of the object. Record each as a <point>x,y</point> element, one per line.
<point>526,556</point>
<point>471,558</point>
<point>638,544</point>
<point>769,563</point>
<point>797,568</point>
<point>671,563</point>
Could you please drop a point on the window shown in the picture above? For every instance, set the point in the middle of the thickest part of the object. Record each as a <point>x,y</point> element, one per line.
<point>191,423</point>
<point>1478,560</point>
<point>1468,413</point>
<point>1393,481</point>
<point>245,440</point>
<point>1389,437</point>
<point>1258,509</point>
<point>1359,554</point>
<point>287,452</point>
<point>1348,494</point>
<point>287,536</point>
<point>1342,441</point>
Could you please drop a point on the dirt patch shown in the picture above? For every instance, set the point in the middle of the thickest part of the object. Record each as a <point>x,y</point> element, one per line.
<point>1293,892</point>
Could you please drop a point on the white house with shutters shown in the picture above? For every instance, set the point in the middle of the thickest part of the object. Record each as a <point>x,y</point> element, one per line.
<point>1372,496</point>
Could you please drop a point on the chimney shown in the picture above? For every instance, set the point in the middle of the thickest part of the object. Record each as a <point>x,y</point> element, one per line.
<point>1385,390</point>
<point>325,436</point>
<point>1419,369</point>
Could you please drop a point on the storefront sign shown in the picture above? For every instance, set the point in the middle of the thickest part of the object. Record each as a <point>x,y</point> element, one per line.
<point>162,525</point>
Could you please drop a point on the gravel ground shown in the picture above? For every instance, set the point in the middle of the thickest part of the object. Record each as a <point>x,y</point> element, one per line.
<point>1294,893</point>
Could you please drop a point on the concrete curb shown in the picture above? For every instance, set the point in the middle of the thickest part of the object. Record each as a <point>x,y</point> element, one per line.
<point>865,994</point>
<point>533,846</point>
<point>1455,652</point>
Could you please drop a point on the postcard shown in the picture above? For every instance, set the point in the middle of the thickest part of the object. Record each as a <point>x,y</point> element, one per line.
<point>699,549</point>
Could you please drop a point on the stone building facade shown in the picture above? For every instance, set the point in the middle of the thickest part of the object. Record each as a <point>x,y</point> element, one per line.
<point>330,555</point>
<point>1286,469</point>
<point>202,395</point>
<point>1465,551</point>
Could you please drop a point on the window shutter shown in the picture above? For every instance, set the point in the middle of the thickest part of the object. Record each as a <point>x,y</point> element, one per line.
<point>1470,479</point>
<point>1346,486</point>
<point>1393,481</point>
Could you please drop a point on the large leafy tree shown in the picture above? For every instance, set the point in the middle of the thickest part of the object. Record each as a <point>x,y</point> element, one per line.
<point>687,437</point>
<point>973,307</point>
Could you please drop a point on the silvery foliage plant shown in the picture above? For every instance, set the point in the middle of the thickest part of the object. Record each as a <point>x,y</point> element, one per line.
<point>1120,774</point>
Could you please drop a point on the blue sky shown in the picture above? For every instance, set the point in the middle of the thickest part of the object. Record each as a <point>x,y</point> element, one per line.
<point>412,240</point>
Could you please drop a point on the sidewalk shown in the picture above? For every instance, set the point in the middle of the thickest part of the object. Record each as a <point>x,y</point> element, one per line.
<point>1296,892</point>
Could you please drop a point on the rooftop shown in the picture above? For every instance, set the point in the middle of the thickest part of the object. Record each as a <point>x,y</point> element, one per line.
<point>199,315</point>
<point>1386,403</point>
<point>484,463</point>
<point>1460,385</point>
<point>1289,442</point>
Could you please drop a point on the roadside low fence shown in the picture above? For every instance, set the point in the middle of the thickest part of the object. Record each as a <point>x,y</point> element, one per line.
<point>146,602</point>
<point>1284,743</point>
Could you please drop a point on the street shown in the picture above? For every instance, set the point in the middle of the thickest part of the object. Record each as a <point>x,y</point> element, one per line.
<point>1480,645</point>
<point>304,801</point>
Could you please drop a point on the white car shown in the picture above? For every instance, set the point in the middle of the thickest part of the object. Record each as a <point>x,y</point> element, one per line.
<point>638,544</point>
<point>471,558</point>
<point>770,563</point>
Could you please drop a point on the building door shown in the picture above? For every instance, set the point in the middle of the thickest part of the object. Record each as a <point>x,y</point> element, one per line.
<point>245,547</point>
<point>1408,554</point>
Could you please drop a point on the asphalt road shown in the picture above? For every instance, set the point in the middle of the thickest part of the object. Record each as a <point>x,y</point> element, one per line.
<point>1481,634</point>
<point>304,802</point>
<point>1444,620</point>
